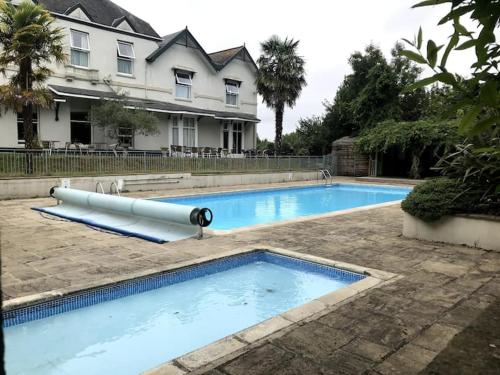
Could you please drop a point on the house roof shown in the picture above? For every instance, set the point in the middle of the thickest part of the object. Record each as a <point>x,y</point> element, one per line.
<point>171,39</point>
<point>221,57</point>
<point>224,57</point>
<point>103,12</point>
<point>151,105</point>
<point>218,59</point>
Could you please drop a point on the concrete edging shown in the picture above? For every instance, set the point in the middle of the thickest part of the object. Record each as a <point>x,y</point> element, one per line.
<point>21,188</point>
<point>239,342</point>
<point>473,231</point>
<point>230,346</point>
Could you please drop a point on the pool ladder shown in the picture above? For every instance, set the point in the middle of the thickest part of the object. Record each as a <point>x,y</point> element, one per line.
<point>113,184</point>
<point>327,176</point>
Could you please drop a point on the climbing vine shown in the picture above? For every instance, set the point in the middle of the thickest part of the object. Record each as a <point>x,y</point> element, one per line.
<point>414,137</point>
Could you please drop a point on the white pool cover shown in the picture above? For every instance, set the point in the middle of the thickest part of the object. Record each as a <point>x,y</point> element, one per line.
<point>154,221</point>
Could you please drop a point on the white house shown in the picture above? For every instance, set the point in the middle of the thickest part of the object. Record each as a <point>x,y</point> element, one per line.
<point>200,98</point>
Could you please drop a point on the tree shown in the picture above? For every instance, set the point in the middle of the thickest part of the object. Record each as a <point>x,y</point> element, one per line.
<point>412,104</point>
<point>117,117</point>
<point>280,78</point>
<point>366,97</point>
<point>475,164</point>
<point>313,135</point>
<point>29,42</point>
<point>480,93</point>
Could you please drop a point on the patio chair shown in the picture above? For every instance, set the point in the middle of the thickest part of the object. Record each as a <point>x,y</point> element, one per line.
<point>69,146</point>
<point>206,152</point>
<point>175,150</point>
<point>195,152</point>
<point>47,147</point>
<point>213,152</point>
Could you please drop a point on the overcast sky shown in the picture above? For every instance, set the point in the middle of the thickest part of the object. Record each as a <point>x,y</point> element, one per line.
<point>329,32</point>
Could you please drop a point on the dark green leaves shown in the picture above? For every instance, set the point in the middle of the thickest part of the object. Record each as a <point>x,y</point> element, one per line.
<point>489,93</point>
<point>432,51</point>
<point>468,44</point>
<point>414,56</point>
<point>419,38</point>
<point>431,2</point>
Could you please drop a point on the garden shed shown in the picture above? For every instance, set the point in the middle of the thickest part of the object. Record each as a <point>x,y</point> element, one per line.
<point>347,160</point>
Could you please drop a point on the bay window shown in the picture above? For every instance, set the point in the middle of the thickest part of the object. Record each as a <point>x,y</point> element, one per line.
<point>175,131</point>
<point>189,132</point>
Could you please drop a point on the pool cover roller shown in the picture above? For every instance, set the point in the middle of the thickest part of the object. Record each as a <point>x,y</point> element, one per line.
<point>150,220</point>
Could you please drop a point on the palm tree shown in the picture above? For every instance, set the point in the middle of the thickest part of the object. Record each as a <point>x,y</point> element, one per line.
<point>280,78</point>
<point>28,41</point>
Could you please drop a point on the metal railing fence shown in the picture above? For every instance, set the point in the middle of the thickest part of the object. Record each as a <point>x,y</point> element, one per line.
<point>27,163</point>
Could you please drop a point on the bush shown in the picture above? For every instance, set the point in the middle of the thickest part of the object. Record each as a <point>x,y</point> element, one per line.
<point>438,197</point>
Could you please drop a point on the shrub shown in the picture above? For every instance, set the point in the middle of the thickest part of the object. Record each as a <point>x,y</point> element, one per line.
<point>438,197</point>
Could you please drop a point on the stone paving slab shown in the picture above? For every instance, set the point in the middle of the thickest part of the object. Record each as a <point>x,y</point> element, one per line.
<point>399,327</point>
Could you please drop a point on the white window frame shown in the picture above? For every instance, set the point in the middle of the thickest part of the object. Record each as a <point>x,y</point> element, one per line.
<point>186,81</point>
<point>80,49</point>
<point>232,90</point>
<point>175,129</point>
<point>189,129</point>
<point>123,57</point>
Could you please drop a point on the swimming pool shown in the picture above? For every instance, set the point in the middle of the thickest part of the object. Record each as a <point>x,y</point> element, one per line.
<point>247,208</point>
<point>132,327</point>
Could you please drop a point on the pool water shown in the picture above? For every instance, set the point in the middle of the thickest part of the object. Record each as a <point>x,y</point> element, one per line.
<point>242,209</point>
<point>135,333</point>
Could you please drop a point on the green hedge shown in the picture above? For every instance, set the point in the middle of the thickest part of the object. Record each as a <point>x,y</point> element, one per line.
<point>436,198</point>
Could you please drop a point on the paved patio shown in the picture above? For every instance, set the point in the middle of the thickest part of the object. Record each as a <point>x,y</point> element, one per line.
<point>398,328</point>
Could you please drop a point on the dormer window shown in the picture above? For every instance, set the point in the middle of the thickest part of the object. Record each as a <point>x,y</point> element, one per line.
<point>232,93</point>
<point>80,48</point>
<point>183,83</point>
<point>126,56</point>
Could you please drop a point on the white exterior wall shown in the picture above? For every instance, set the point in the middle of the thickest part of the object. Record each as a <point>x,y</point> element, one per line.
<point>155,142</point>
<point>8,129</point>
<point>209,133</point>
<point>208,90</point>
<point>153,81</point>
<point>50,129</point>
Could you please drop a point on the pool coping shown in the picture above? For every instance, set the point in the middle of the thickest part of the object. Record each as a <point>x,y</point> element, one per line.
<point>231,346</point>
<point>244,340</point>
<point>222,232</point>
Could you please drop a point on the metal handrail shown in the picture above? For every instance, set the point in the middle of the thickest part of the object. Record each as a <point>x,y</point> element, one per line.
<point>99,185</point>
<point>116,188</point>
<point>327,176</point>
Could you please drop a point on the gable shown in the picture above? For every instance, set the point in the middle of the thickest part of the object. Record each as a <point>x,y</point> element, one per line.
<point>181,38</point>
<point>123,24</point>
<point>101,12</point>
<point>225,57</point>
<point>79,12</point>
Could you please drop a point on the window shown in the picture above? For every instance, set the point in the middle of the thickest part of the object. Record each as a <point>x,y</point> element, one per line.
<point>232,93</point>
<point>125,137</point>
<point>20,126</point>
<point>80,48</point>
<point>237,137</point>
<point>183,85</point>
<point>80,128</point>
<point>225,136</point>
<point>188,132</point>
<point>175,131</point>
<point>126,56</point>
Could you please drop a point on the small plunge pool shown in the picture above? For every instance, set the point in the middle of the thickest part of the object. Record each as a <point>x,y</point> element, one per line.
<point>137,325</point>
